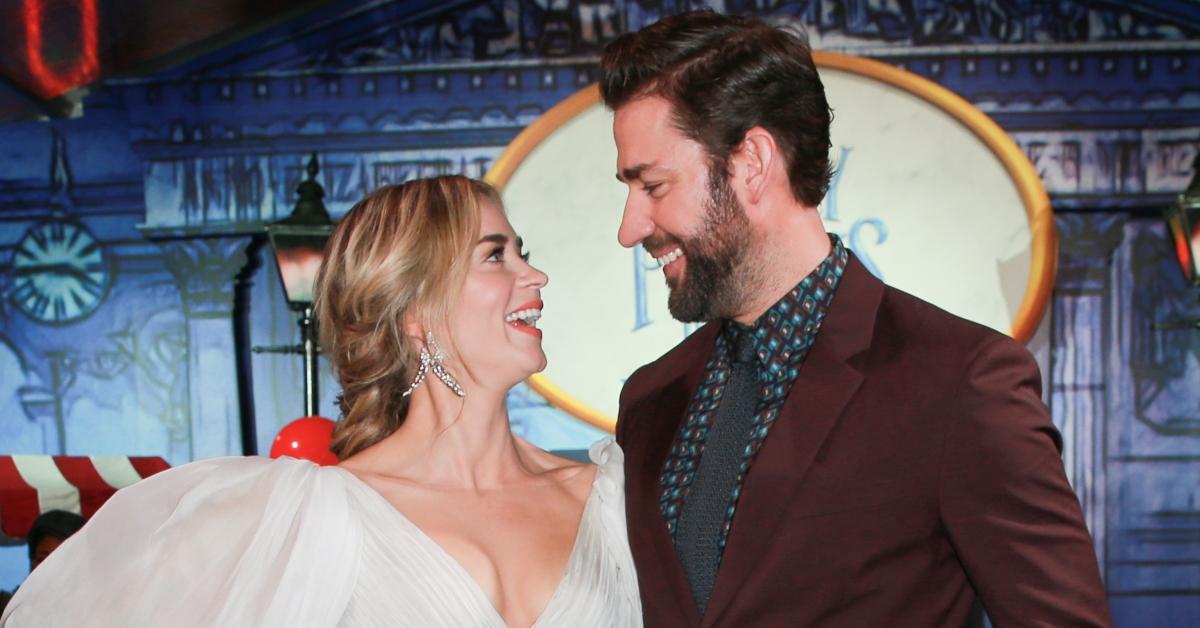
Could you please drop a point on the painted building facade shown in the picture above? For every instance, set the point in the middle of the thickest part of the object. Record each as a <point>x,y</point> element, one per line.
<point>154,201</point>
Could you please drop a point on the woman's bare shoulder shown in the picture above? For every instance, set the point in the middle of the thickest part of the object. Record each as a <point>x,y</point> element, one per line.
<point>568,473</point>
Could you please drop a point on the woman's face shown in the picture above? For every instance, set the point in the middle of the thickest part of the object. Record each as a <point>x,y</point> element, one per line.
<point>495,322</point>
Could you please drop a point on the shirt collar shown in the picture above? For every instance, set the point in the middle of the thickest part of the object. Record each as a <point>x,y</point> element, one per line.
<point>787,329</point>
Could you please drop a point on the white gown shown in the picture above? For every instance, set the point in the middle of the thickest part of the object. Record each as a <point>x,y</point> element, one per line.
<point>235,542</point>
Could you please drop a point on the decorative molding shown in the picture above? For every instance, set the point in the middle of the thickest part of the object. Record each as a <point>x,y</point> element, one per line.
<point>389,100</point>
<point>1030,84</point>
<point>482,30</point>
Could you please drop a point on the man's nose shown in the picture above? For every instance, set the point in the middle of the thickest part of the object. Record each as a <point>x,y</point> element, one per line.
<point>635,223</point>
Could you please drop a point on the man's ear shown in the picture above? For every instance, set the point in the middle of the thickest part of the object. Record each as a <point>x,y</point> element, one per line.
<point>754,164</point>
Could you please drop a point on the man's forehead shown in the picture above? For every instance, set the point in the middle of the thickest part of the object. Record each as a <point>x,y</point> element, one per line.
<point>644,119</point>
<point>648,141</point>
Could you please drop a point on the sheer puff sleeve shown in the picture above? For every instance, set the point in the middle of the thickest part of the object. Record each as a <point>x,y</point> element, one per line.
<point>610,488</point>
<point>219,542</point>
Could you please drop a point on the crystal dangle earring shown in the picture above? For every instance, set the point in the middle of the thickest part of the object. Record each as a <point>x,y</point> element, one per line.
<point>439,370</point>
<point>422,369</point>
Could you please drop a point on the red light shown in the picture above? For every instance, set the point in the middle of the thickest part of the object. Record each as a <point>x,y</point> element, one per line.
<point>1184,255</point>
<point>1183,248</point>
<point>1193,244</point>
<point>52,82</point>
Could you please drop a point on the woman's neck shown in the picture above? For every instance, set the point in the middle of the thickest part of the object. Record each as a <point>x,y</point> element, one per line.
<point>453,442</point>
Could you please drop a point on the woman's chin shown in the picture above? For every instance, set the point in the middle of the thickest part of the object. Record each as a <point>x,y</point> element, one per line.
<point>535,367</point>
<point>528,366</point>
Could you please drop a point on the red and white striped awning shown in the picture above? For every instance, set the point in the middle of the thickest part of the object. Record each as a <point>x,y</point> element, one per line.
<point>31,485</point>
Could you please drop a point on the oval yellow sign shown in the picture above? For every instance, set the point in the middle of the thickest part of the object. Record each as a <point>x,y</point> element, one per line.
<point>929,192</point>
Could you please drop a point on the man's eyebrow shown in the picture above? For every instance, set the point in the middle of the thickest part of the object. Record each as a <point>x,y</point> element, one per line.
<point>632,173</point>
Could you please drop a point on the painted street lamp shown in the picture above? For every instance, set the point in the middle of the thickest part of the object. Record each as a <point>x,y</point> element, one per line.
<point>298,242</point>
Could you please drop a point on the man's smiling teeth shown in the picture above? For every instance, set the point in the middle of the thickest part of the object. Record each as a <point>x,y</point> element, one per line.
<point>529,317</point>
<point>669,257</point>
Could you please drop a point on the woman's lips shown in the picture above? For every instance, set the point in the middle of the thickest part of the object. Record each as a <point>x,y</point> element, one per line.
<point>525,318</point>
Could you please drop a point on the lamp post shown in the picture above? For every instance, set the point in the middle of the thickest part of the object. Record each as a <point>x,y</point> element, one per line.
<point>1183,221</point>
<point>298,242</point>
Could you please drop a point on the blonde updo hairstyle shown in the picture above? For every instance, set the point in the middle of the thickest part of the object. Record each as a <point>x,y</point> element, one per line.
<point>400,254</point>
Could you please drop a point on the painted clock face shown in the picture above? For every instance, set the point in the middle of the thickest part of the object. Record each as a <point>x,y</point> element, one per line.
<point>61,273</point>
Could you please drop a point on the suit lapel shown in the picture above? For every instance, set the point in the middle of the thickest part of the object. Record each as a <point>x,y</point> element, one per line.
<point>657,418</point>
<point>826,383</point>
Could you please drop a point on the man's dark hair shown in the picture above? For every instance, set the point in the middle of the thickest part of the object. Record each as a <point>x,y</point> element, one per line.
<point>59,524</point>
<point>724,75</point>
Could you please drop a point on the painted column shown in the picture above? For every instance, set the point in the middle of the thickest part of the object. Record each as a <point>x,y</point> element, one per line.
<point>205,270</point>
<point>1079,389</point>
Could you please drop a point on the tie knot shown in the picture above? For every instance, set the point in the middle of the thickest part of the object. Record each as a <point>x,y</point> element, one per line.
<point>744,349</point>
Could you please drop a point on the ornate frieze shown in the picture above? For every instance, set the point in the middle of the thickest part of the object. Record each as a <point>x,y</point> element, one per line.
<point>236,194</point>
<point>1092,168</point>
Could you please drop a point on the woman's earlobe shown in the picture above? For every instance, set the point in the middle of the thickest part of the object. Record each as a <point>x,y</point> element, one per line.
<point>412,328</point>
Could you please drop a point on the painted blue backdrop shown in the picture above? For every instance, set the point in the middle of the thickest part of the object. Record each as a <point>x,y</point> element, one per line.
<point>174,174</point>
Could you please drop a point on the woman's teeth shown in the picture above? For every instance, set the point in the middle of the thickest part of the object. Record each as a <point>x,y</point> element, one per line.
<point>669,257</point>
<point>525,317</point>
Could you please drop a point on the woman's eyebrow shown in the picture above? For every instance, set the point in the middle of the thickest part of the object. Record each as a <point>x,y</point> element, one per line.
<point>498,238</point>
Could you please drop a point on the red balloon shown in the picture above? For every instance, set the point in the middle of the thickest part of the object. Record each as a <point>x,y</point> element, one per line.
<point>306,438</point>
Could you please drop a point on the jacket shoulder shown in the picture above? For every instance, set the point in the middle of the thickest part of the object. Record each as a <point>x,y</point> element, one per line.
<point>649,377</point>
<point>922,325</point>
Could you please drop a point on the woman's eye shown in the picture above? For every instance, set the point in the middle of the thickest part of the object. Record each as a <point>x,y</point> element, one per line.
<point>525,256</point>
<point>497,255</point>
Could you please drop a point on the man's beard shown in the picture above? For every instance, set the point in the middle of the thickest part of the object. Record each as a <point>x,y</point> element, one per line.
<point>718,273</point>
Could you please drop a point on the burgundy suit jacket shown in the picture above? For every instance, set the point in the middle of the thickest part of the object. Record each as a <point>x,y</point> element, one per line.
<point>913,466</point>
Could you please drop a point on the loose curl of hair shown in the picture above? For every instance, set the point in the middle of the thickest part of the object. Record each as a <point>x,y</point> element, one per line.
<point>400,254</point>
<point>724,75</point>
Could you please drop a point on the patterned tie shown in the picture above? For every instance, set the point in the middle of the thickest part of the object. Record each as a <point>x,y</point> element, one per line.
<point>698,535</point>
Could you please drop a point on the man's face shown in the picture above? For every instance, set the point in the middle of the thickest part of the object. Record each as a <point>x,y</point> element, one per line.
<point>45,546</point>
<point>686,217</point>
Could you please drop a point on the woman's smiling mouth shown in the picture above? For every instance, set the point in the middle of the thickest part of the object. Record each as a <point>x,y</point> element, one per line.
<point>525,318</point>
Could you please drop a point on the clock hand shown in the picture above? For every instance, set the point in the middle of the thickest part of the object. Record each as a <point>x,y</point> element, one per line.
<point>61,269</point>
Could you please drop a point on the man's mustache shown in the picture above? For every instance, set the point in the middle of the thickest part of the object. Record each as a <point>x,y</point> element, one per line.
<point>658,243</point>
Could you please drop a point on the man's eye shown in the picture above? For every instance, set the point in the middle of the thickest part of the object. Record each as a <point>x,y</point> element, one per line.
<point>651,187</point>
